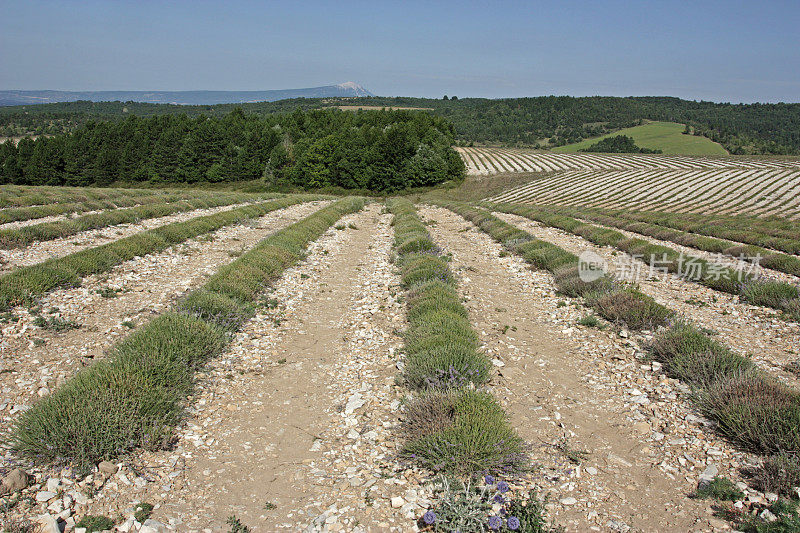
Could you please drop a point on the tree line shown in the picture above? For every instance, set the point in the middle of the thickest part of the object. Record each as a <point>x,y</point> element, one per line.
<point>374,150</point>
<point>541,121</point>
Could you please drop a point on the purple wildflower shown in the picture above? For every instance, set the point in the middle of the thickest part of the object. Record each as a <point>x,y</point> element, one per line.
<point>513,523</point>
<point>495,523</point>
<point>498,498</point>
<point>429,517</point>
<point>502,486</point>
<point>489,480</point>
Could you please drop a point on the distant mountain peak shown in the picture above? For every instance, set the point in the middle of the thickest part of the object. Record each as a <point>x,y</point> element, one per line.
<point>356,88</point>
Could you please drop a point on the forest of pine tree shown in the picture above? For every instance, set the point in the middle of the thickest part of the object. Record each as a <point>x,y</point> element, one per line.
<point>374,150</point>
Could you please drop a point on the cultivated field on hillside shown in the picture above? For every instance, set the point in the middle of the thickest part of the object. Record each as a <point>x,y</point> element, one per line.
<point>665,136</point>
<point>482,161</point>
<point>725,186</point>
<point>182,361</point>
<point>730,192</point>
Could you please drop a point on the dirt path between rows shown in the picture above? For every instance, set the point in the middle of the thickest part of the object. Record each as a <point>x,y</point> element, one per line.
<point>646,448</point>
<point>772,341</point>
<point>34,361</point>
<point>300,411</point>
<point>40,251</point>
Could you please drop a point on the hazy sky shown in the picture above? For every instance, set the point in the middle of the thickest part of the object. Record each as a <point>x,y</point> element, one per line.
<point>723,51</point>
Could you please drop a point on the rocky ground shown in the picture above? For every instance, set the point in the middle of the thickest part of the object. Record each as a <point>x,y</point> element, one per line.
<point>294,427</point>
<point>593,390</point>
<point>299,413</point>
<point>44,250</point>
<point>772,341</point>
<point>90,318</point>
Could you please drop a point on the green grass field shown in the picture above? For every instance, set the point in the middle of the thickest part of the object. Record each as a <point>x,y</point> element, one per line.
<point>665,136</point>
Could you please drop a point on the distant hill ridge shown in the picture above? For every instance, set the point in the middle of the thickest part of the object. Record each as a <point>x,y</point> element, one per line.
<point>543,121</point>
<point>10,98</point>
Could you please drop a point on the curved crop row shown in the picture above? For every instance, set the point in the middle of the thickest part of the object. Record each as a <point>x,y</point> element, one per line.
<point>17,214</point>
<point>24,284</point>
<point>23,196</point>
<point>778,295</point>
<point>781,262</point>
<point>21,237</point>
<point>723,191</point>
<point>450,426</point>
<point>490,160</point>
<point>783,235</point>
<point>612,300</point>
<point>135,397</point>
<point>751,408</point>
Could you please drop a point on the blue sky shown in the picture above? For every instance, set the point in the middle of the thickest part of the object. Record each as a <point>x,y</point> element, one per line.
<point>722,51</point>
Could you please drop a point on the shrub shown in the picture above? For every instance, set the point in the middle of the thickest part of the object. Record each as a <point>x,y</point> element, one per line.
<point>780,474</point>
<point>770,293</point>
<point>754,411</point>
<point>415,243</point>
<point>782,262</point>
<point>121,402</point>
<point>446,366</point>
<point>719,488</point>
<point>441,347</point>
<point>632,309</point>
<point>215,307</point>
<point>428,414</point>
<point>418,268</point>
<point>95,523</point>
<point>691,355</point>
<point>727,282</point>
<point>546,256</point>
<point>474,436</point>
<point>590,321</point>
<point>433,296</point>
<point>792,310</point>
<point>439,328</point>
<point>569,283</point>
<point>744,252</point>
